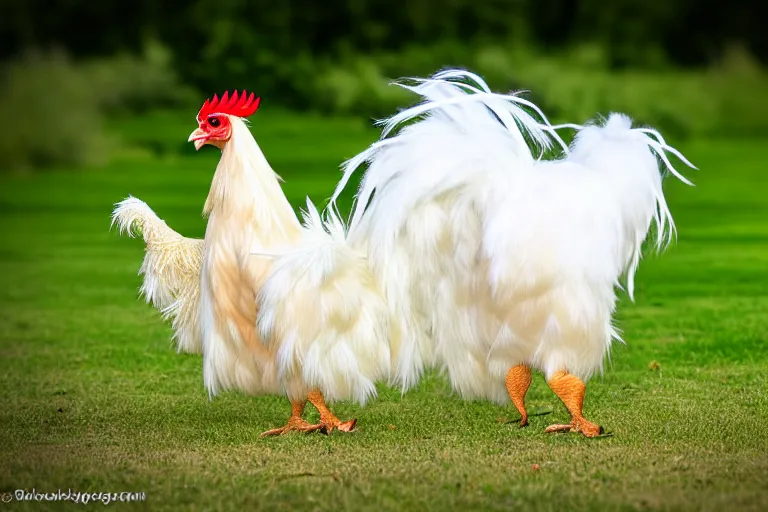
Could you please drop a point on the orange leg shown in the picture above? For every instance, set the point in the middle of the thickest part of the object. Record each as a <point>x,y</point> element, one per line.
<point>570,389</point>
<point>295,422</point>
<point>328,420</point>
<point>518,381</point>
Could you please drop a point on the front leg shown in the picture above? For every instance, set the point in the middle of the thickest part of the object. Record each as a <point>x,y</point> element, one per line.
<point>328,420</point>
<point>570,390</point>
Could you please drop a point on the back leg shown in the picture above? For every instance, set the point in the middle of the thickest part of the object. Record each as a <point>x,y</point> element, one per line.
<point>518,381</point>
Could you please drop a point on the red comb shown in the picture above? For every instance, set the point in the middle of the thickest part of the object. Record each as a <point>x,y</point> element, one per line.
<point>242,105</point>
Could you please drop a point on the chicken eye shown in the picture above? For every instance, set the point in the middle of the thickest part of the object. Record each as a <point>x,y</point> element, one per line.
<point>214,121</point>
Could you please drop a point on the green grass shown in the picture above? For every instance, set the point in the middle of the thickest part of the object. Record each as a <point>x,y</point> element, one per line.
<point>95,398</point>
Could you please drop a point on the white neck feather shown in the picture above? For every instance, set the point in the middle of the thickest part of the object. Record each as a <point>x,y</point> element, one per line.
<point>245,189</point>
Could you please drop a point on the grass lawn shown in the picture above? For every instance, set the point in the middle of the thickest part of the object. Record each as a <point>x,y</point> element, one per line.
<point>95,398</point>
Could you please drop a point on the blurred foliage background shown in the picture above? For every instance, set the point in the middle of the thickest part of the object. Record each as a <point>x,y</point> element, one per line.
<point>689,67</point>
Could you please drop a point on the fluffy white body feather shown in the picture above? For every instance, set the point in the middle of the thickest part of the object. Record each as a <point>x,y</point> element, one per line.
<point>322,313</point>
<point>526,254</point>
<point>503,259</point>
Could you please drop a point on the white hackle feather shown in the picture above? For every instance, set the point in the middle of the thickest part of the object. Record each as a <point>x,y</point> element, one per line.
<point>171,270</point>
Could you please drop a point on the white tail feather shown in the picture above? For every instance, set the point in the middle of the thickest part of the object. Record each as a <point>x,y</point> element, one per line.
<point>463,105</point>
<point>663,217</point>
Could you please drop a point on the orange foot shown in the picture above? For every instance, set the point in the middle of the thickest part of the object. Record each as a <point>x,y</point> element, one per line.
<point>295,422</point>
<point>328,420</point>
<point>587,428</point>
<point>570,389</point>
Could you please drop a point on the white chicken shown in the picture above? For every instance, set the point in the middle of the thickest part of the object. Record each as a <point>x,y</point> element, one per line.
<point>209,286</point>
<point>489,260</point>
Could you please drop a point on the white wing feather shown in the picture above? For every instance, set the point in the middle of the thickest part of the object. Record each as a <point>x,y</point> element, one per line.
<point>171,270</point>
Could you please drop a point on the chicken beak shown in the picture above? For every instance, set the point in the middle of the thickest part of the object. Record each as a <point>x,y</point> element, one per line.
<point>198,137</point>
